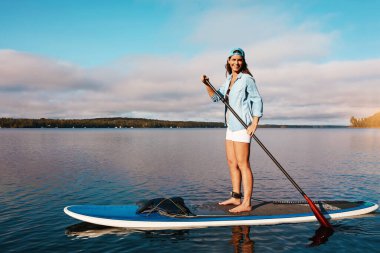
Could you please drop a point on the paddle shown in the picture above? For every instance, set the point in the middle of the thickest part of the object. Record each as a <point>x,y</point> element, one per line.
<point>322,219</point>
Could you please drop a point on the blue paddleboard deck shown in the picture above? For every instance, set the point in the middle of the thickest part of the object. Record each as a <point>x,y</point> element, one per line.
<point>208,215</point>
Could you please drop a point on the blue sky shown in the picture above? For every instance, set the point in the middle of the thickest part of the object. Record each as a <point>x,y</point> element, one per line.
<point>102,49</point>
<point>96,32</point>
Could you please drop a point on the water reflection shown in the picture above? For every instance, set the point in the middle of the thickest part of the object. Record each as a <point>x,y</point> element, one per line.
<point>240,235</point>
<point>241,240</point>
<point>89,230</point>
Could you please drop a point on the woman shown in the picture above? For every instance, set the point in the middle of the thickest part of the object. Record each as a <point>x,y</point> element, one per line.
<point>242,95</point>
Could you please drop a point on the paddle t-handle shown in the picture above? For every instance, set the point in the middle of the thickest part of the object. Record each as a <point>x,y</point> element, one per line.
<point>320,217</point>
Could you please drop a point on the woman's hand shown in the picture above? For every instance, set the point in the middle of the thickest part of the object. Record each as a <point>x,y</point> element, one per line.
<point>204,78</point>
<point>251,129</point>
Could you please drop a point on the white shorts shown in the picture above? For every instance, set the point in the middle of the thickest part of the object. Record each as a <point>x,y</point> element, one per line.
<point>240,136</point>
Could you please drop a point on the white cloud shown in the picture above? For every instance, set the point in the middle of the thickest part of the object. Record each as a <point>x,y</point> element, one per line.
<point>27,71</point>
<point>334,91</point>
<point>225,25</point>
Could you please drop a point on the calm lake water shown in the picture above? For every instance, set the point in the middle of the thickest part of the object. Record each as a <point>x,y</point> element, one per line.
<point>44,170</point>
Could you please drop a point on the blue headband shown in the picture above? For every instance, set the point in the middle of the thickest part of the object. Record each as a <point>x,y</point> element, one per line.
<point>237,51</point>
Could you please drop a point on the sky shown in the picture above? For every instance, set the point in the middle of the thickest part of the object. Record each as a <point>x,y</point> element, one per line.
<point>314,62</point>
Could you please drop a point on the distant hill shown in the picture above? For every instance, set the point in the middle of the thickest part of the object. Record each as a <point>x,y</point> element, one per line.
<point>372,121</point>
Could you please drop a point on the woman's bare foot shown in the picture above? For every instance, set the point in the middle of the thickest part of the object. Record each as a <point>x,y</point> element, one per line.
<point>230,201</point>
<point>241,208</point>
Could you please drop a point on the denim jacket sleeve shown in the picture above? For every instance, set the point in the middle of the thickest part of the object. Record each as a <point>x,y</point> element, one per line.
<point>254,99</point>
<point>221,91</point>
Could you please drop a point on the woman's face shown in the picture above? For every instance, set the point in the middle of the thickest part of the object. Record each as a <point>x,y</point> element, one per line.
<point>236,62</point>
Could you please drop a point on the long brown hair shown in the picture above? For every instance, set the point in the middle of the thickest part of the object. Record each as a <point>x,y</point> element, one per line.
<point>244,68</point>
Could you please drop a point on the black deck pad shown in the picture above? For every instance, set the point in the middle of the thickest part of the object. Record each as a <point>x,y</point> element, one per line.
<point>274,208</point>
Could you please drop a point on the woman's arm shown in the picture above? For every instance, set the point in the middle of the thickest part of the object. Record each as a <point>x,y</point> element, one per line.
<point>256,105</point>
<point>211,93</point>
<point>254,98</point>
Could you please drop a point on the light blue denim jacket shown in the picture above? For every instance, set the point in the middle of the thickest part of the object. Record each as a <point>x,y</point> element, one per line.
<point>244,98</point>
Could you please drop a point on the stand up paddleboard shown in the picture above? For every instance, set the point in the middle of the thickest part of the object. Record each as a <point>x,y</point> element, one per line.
<point>171,213</point>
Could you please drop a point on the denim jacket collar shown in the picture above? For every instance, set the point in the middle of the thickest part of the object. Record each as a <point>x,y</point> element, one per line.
<point>229,77</point>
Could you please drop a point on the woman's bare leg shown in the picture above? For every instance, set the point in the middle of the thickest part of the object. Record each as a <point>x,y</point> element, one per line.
<point>242,151</point>
<point>234,173</point>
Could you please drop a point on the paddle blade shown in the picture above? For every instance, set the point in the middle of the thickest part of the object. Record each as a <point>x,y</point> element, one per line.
<point>322,219</point>
<point>321,236</point>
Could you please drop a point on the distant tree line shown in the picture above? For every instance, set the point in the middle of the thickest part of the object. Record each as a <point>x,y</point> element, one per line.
<point>372,121</point>
<point>103,123</point>
<point>127,123</point>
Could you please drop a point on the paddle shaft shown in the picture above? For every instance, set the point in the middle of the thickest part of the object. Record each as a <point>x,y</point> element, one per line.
<point>322,219</point>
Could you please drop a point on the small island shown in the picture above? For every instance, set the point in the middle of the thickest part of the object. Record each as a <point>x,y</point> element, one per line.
<point>372,121</point>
